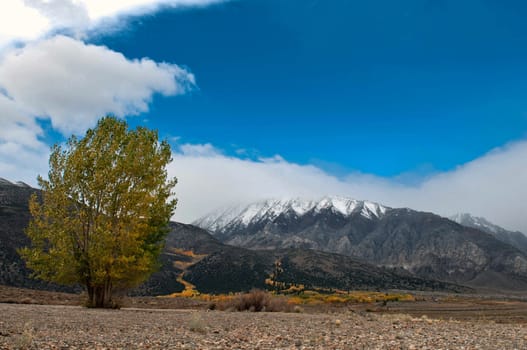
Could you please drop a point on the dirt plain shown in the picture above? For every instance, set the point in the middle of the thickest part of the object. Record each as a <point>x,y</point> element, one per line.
<point>41,320</point>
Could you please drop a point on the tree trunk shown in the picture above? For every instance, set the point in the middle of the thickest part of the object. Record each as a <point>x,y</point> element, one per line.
<point>91,295</point>
<point>100,296</point>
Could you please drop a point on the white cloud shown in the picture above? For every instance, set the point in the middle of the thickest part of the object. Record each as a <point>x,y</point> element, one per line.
<point>67,81</point>
<point>493,186</point>
<point>18,126</point>
<point>74,84</point>
<point>20,163</point>
<point>62,13</point>
<point>20,22</point>
<point>22,154</point>
<point>98,9</point>
<point>28,20</point>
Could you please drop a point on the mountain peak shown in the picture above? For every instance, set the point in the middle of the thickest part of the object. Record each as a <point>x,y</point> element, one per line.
<point>516,239</point>
<point>470,220</point>
<point>6,182</point>
<point>272,208</point>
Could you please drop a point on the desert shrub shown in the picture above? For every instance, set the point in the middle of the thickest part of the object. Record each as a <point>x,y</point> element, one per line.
<point>25,339</point>
<point>279,304</point>
<point>196,324</point>
<point>256,300</point>
<point>297,309</point>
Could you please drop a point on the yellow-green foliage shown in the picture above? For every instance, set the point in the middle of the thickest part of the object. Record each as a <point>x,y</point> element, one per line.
<point>189,291</point>
<point>340,297</point>
<point>283,287</point>
<point>194,258</point>
<point>104,210</point>
<point>307,297</point>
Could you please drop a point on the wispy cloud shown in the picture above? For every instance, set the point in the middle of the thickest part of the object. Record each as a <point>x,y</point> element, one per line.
<point>206,150</point>
<point>493,186</point>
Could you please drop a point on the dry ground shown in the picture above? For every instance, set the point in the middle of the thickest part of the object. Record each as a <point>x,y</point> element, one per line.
<point>11,295</point>
<point>73,327</point>
<point>460,323</point>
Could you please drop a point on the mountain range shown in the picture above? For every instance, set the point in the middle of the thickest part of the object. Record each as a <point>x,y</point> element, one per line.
<point>196,256</point>
<point>333,242</point>
<point>423,244</point>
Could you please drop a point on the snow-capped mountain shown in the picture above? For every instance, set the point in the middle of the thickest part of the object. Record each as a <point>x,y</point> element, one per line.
<point>469,220</point>
<point>424,244</point>
<point>516,239</point>
<point>269,210</point>
<point>5,182</point>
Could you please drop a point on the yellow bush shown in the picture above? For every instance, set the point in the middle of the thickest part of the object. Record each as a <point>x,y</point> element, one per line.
<point>296,300</point>
<point>334,299</point>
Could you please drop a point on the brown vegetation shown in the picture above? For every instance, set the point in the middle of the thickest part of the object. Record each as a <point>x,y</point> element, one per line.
<point>255,301</point>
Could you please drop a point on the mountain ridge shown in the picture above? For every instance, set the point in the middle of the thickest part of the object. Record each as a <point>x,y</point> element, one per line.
<point>245,214</point>
<point>424,244</point>
<point>514,238</point>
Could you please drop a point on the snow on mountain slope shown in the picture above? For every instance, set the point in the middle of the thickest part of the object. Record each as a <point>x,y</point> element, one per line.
<point>4,182</point>
<point>476,222</point>
<point>516,239</point>
<point>272,208</point>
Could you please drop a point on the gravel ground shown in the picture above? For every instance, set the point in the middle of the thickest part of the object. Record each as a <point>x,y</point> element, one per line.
<point>72,327</point>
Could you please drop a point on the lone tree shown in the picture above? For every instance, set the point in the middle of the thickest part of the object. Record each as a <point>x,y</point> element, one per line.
<point>103,214</point>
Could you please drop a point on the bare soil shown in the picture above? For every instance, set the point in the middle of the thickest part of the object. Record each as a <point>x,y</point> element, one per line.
<point>41,320</point>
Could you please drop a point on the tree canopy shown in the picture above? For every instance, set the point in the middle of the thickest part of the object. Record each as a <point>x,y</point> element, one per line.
<point>103,213</point>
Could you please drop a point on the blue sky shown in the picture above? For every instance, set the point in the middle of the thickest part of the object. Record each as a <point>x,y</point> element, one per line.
<point>410,103</point>
<point>378,87</point>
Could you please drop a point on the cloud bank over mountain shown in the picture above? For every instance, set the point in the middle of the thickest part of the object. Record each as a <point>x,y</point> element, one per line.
<point>493,186</point>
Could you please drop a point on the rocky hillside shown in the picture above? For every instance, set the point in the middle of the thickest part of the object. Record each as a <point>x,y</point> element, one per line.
<point>225,268</point>
<point>516,239</point>
<point>423,244</point>
<point>14,217</point>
